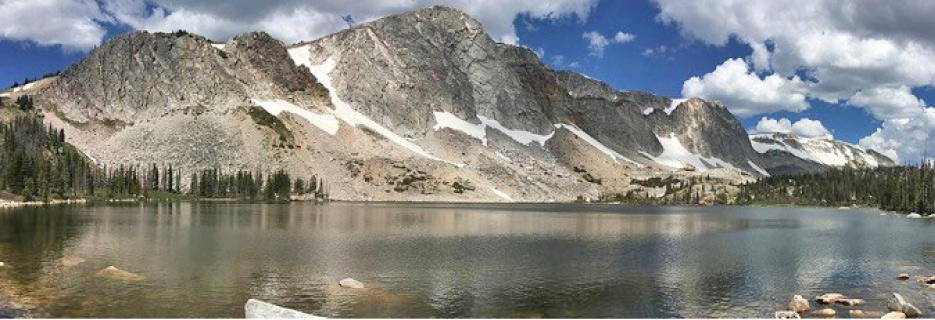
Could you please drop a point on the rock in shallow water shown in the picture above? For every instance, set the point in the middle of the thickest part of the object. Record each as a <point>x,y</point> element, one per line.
<point>913,216</point>
<point>351,283</point>
<point>896,303</point>
<point>112,272</point>
<point>829,298</point>
<point>256,309</point>
<point>850,302</point>
<point>903,276</point>
<point>899,304</point>
<point>72,261</point>
<point>856,314</point>
<point>894,315</point>
<point>824,313</point>
<point>799,304</point>
<point>785,314</point>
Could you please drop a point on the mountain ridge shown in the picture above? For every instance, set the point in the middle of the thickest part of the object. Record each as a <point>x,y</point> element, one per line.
<point>400,108</point>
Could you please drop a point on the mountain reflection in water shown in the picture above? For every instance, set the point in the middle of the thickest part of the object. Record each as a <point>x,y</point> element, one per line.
<point>452,260</point>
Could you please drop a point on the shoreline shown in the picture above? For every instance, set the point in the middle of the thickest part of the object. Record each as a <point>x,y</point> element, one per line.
<point>9,204</point>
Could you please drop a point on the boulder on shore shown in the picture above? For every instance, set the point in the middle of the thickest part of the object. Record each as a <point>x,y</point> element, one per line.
<point>799,304</point>
<point>256,309</point>
<point>894,315</point>
<point>351,283</point>
<point>914,216</point>
<point>112,272</point>
<point>786,314</point>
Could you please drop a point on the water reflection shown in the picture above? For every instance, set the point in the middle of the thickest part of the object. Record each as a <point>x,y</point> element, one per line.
<point>206,260</point>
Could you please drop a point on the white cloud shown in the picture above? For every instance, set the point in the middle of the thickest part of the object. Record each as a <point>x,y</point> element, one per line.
<point>865,53</point>
<point>623,37</point>
<point>805,127</point>
<point>904,138</point>
<point>744,92</point>
<point>598,42</point>
<point>78,24</point>
<point>73,24</point>
<point>888,103</point>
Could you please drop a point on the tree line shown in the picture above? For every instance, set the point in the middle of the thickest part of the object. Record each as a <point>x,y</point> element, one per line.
<point>901,188</point>
<point>37,164</point>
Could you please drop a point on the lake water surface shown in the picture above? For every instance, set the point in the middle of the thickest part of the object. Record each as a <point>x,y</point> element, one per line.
<point>446,260</point>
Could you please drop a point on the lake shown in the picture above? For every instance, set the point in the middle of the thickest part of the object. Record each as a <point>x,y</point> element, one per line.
<point>455,260</point>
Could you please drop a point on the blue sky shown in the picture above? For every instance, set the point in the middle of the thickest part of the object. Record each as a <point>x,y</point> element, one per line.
<point>864,71</point>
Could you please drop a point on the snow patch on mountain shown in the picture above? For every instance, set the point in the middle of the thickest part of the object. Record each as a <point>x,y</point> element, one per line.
<point>326,122</point>
<point>24,87</point>
<point>479,132</point>
<point>824,150</point>
<point>757,168</point>
<point>501,194</point>
<point>596,144</point>
<point>675,155</point>
<point>521,136</point>
<point>451,121</point>
<point>343,111</point>
<point>675,104</point>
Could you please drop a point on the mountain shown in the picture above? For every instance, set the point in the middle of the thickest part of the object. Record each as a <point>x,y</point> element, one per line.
<point>824,150</point>
<point>420,106</point>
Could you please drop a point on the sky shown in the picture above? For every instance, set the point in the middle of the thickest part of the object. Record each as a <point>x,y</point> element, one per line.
<point>861,71</point>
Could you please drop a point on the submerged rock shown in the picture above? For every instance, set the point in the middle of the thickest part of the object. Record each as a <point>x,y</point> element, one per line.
<point>786,314</point>
<point>856,314</point>
<point>351,283</point>
<point>72,261</point>
<point>894,315</point>
<point>929,280</point>
<point>112,272</point>
<point>799,304</point>
<point>824,313</point>
<point>851,302</point>
<point>829,298</point>
<point>256,309</point>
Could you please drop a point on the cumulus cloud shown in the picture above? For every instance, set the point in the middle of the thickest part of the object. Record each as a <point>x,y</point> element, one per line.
<point>598,42</point>
<point>79,24</point>
<point>805,127</point>
<point>744,92</point>
<point>905,138</point>
<point>863,53</point>
<point>623,37</point>
<point>888,103</point>
<point>73,24</point>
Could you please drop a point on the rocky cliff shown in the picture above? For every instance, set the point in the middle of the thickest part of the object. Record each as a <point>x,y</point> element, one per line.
<point>402,108</point>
